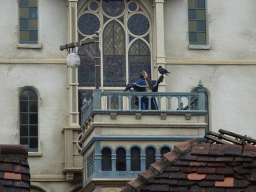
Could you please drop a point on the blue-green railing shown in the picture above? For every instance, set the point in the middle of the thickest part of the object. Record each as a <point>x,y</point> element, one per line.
<point>104,102</point>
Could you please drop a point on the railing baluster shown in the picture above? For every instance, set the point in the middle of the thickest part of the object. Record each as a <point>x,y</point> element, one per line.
<point>149,102</point>
<point>139,102</point>
<point>159,102</point>
<point>109,102</point>
<point>130,102</point>
<point>179,102</point>
<point>119,102</point>
<point>189,102</point>
<point>169,103</point>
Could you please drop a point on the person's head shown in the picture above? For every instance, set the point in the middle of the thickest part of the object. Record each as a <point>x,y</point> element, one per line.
<point>143,74</point>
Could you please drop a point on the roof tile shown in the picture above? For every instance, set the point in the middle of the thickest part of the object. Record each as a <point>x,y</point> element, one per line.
<point>206,158</point>
<point>251,188</point>
<point>172,168</point>
<point>6,167</point>
<point>159,188</point>
<point>12,189</point>
<point>14,149</point>
<point>214,177</point>
<point>7,182</point>
<point>253,176</point>
<point>241,183</point>
<point>147,175</point>
<point>206,170</point>
<point>181,163</point>
<point>21,169</point>
<point>249,151</point>
<point>233,150</point>
<point>169,181</point>
<point>241,170</point>
<point>171,157</point>
<point>178,189</point>
<point>21,184</point>
<point>177,175</point>
<point>235,190</point>
<point>186,182</point>
<point>197,164</point>
<point>25,177</point>
<point>206,183</point>
<point>189,157</point>
<point>214,164</point>
<point>228,182</point>
<point>158,167</point>
<point>188,169</point>
<point>1,174</point>
<point>185,147</point>
<point>136,183</point>
<point>201,149</point>
<point>224,159</point>
<point>243,159</point>
<point>225,170</point>
<point>196,176</point>
<point>196,188</point>
<point>253,164</point>
<point>12,176</point>
<point>2,189</point>
<point>163,175</point>
<point>217,150</point>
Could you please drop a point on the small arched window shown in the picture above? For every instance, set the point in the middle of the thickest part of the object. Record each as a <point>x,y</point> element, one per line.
<point>135,159</point>
<point>164,150</point>
<point>150,156</point>
<point>106,164</point>
<point>120,159</point>
<point>29,120</point>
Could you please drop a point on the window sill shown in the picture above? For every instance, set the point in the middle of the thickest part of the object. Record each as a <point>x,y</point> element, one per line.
<point>34,154</point>
<point>29,46</point>
<point>199,47</point>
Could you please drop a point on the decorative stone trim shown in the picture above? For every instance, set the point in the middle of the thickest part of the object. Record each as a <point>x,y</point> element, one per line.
<point>113,115</point>
<point>163,116</point>
<point>138,116</point>
<point>188,116</point>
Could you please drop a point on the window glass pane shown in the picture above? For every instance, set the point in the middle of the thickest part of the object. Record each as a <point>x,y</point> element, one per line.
<point>191,14</point>
<point>33,143</point>
<point>138,24</point>
<point>33,131</point>
<point>150,157</point>
<point>23,118</point>
<point>23,24</point>
<point>201,37</point>
<point>94,6</point>
<point>23,141</point>
<point>88,24</point>
<point>32,23</point>
<point>164,150</point>
<point>192,37</point>
<point>106,164</point>
<point>113,8</point>
<point>120,159</point>
<point>132,6</point>
<point>200,3</point>
<point>119,39</point>
<point>192,25</point>
<point>201,25</point>
<point>135,159</point>
<point>32,35</point>
<point>33,12</point>
<point>32,95</point>
<point>108,38</point>
<point>33,106</point>
<point>33,3</point>
<point>23,130</point>
<point>200,14</point>
<point>23,106</point>
<point>191,4</point>
<point>23,3</point>
<point>24,12</point>
<point>33,119</point>
<point>24,95</point>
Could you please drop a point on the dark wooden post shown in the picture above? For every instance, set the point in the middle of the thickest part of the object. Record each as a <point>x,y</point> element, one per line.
<point>97,61</point>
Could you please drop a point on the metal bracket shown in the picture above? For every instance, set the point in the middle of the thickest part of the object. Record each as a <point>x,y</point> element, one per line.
<point>113,116</point>
<point>188,116</point>
<point>138,116</point>
<point>163,116</point>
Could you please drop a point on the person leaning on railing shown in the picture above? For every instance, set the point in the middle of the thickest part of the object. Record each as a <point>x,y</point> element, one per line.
<point>144,84</point>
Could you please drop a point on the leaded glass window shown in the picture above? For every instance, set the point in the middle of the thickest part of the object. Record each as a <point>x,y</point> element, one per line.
<point>125,31</point>
<point>197,21</point>
<point>150,156</point>
<point>28,21</point>
<point>29,120</point>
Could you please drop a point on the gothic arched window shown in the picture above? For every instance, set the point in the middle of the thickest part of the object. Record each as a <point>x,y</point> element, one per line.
<point>124,31</point>
<point>120,159</point>
<point>135,159</point>
<point>29,120</point>
<point>106,159</point>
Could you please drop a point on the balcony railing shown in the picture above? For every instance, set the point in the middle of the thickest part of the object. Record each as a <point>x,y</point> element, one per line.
<point>104,102</point>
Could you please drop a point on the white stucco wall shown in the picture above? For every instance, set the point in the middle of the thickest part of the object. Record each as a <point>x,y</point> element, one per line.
<point>231,30</point>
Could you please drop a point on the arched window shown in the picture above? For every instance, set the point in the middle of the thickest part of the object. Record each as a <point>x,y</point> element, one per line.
<point>125,31</point>
<point>164,150</point>
<point>135,159</point>
<point>29,120</point>
<point>150,156</point>
<point>106,164</point>
<point>120,159</point>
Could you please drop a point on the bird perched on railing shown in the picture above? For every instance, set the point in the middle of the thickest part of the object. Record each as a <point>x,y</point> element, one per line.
<point>163,70</point>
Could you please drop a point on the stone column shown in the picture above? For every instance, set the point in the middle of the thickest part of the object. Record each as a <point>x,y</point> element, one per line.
<point>159,30</point>
<point>73,116</point>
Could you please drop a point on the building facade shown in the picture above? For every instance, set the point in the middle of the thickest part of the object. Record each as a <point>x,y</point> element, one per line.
<point>211,41</point>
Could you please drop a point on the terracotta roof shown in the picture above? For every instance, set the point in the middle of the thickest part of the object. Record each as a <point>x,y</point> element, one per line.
<point>14,168</point>
<point>206,167</point>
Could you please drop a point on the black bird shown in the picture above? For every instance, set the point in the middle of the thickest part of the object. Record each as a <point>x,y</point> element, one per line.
<point>163,70</point>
